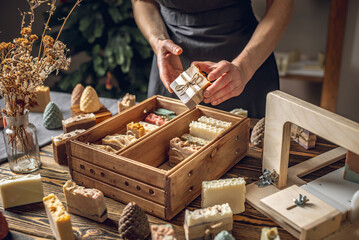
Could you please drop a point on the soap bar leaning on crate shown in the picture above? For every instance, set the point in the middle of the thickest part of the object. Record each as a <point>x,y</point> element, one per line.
<point>86,202</point>
<point>213,219</point>
<point>59,145</point>
<point>59,219</point>
<point>20,190</point>
<point>231,191</point>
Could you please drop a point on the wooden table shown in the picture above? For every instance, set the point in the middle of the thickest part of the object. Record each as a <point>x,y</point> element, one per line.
<point>31,220</point>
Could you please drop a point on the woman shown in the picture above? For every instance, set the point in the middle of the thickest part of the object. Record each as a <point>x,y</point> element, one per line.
<point>224,39</point>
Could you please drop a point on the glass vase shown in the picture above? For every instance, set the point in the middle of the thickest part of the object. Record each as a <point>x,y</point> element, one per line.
<point>21,144</point>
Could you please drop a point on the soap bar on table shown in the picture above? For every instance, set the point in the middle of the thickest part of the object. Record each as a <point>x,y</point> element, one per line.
<point>213,219</point>
<point>59,145</point>
<point>84,121</point>
<point>20,190</point>
<point>86,202</point>
<point>59,219</point>
<point>127,101</point>
<point>231,191</point>
<point>270,234</point>
<point>42,98</point>
<point>162,232</point>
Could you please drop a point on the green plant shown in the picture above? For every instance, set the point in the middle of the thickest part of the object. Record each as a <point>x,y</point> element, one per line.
<point>120,56</point>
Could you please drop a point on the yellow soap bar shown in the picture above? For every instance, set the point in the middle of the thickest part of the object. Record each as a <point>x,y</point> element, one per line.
<point>59,219</point>
<point>20,190</point>
<point>42,98</point>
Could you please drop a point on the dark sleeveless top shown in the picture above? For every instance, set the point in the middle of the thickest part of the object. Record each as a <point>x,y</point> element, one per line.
<point>216,30</point>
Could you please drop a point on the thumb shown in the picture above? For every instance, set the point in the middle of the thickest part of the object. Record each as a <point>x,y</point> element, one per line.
<point>172,47</point>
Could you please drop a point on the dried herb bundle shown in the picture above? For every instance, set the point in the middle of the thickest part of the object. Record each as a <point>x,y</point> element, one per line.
<point>20,72</point>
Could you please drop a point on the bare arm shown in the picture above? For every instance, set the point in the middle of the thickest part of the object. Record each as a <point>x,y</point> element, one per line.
<point>233,76</point>
<point>150,22</point>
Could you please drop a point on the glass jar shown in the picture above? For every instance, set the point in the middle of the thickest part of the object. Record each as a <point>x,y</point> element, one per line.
<point>22,148</point>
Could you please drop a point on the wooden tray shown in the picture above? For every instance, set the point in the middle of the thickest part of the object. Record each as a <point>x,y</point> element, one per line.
<point>141,172</point>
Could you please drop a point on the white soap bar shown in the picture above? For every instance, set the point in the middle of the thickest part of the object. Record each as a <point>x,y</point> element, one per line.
<point>203,130</point>
<point>20,190</point>
<point>86,202</point>
<point>231,191</point>
<point>59,219</point>
<point>270,234</point>
<point>354,212</point>
<point>206,215</point>
<point>214,122</point>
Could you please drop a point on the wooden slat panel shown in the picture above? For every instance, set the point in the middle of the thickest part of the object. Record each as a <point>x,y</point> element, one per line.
<point>127,167</point>
<point>117,180</point>
<point>186,182</point>
<point>119,195</point>
<point>333,59</point>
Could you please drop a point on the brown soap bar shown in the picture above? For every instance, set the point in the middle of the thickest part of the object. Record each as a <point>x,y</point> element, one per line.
<point>84,121</point>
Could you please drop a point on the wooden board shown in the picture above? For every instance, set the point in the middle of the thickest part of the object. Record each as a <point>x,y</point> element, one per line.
<point>314,221</point>
<point>100,115</point>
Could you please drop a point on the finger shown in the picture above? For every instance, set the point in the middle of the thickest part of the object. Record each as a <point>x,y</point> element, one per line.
<point>204,66</point>
<point>172,47</point>
<point>221,82</point>
<point>220,68</point>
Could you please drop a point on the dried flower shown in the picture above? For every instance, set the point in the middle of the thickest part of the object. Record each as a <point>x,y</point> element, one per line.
<point>20,72</point>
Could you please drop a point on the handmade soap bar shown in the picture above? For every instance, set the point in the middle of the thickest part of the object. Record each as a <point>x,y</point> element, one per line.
<point>148,127</point>
<point>84,121</point>
<point>240,112</point>
<point>154,119</point>
<point>213,219</point>
<point>59,219</point>
<point>42,98</point>
<point>20,190</point>
<point>59,145</point>
<point>76,94</point>
<point>127,101</point>
<point>52,117</point>
<point>189,86</point>
<point>135,129</point>
<point>180,150</point>
<point>133,223</point>
<point>203,130</point>
<point>86,202</point>
<point>302,136</point>
<point>118,141</point>
<point>214,122</point>
<point>194,140</point>
<point>162,232</point>
<point>89,102</point>
<point>231,191</point>
<point>107,148</point>
<point>351,170</point>
<point>165,114</point>
<point>270,234</point>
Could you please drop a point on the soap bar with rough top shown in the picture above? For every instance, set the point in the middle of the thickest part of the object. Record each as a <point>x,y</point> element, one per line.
<point>59,219</point>
<point>204,130</point>
<point>135,129</point>
<point>86,202</point>
<point>180,150</point>
<point>127,101</point>
<point>231,191</point>
<point>84,121</point>
<point>20,190</point>
<point>162,232</point>
<point>118,141</point>
<point>214,122</point>
<point>59,145</point>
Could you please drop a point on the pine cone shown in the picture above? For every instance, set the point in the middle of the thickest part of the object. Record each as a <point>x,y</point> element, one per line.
<point>133,224</point>
<point>257,136</point>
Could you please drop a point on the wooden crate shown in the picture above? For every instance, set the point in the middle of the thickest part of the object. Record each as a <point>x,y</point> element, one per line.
<point>141,172</point>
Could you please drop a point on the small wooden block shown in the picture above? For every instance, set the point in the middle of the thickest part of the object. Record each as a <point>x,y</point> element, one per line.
<point>101,114</point>
<point>315,220</point>
<point>352,167</point>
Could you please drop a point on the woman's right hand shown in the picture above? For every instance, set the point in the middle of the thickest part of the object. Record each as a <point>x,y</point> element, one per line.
<point>168,61</point>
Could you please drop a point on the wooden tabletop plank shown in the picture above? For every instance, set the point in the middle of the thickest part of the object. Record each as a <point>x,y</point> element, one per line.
<point>31,219</point>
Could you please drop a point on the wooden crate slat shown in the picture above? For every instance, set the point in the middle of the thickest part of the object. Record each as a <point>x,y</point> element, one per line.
<point>119,195</point>
<point>117,180</point>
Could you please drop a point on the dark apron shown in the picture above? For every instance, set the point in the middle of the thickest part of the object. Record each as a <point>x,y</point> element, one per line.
<point>212,31</point>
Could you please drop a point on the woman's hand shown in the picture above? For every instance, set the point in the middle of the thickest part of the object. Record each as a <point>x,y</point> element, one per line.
<point>231,80</point>
<point>168,61</point>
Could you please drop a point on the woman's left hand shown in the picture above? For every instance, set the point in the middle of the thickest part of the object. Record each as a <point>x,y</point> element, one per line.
<point>231,80</point>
